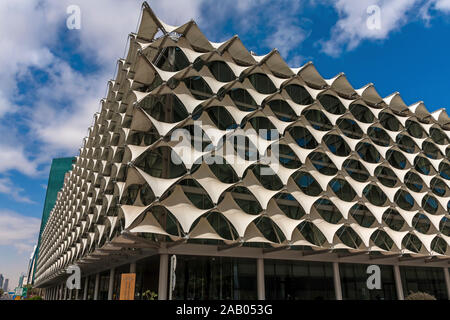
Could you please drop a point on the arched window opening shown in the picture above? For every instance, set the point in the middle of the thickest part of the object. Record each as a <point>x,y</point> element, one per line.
<point>362,113</point>
<point>332,104</point>
<point>198,87</point>
<point>375,195</point>
<point>322,163</point>
<point>262,83</point>
<point>291,208</point>
<point>167,108</point>
<point>368,153</point>
<point>356,170</point>
<point>303,137</point>
<point>362,215</point>
<point>243,99</point>
<point>299,94</point>
<point>307,183</point>
<point>389,121</point>
<point>386,176</point>
<point>337,145</point>
<point>282,110</point>
<point>379,136</point>
<point>350,128</point>
<point>221,71</point>
<point>172,59</point>
<point>393,219</point>
<point>328,211</point>
<point>396,159</point>
<point>318,120</point>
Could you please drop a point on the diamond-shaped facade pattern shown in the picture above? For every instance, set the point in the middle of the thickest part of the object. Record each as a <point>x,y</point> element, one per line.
<point>180,149</point>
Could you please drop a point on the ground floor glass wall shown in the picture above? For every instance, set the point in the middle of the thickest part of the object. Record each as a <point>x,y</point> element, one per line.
<point>429,280</point>
<point>147,277</point>
<point>354,282</point>
<point>215,278</point>
<point>298,280</point>
<point>103,286</point>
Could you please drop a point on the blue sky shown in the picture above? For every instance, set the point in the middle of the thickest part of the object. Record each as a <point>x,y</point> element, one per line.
<point>53,78</point>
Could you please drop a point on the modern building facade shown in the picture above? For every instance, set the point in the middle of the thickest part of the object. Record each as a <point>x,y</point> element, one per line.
<point>58,170</point>
<point>265,182</point>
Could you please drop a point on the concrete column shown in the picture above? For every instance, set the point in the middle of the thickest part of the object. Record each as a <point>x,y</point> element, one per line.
<point>398,283</point>
<point>97,284</point>
<point>447,281</point>
<point>111,283</point>
<point>337,281</point>
<point>60,293</point>
<point>76,293</point>
<point>133,267</point>
<point>65,291</point>
<point>86,281</point>
<point>163,274</point>
<point>260,279</point>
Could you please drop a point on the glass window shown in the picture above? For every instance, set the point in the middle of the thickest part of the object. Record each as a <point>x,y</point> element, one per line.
<point>282,110</point>
<point>386,176</point>
<point>438,136</point>
<point>379,136</point>
<point>322,163</point>
<point>332,104</point>
<point>367,152</point>
<point>318,120</point>
<point>303,137</point>
<point>356,170</point>
<point>423,279</point>
<point>307,183</point>
<point>221,118</point>
<point>362,113</point>
<point>337,145</point>
<point>167,108</point>
<point>375,195</point>
<point>354,283</point>
<point>396,159</point>
<point>262,83</point>
<point>242,99</point>
<point>198,87</point>
<point>393,219</point>
<point>299,94</point>
<point>350,128</point>
<point>172,59</point>
<point>389,121</point>
<point>298,280</point>
<point>147,277</point>
<point>215,278</point>
<point>221,71</point>
<point>415,129</point>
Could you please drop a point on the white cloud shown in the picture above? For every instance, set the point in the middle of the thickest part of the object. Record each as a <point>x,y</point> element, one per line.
<point>18,230</point>
<point>57,115</point>
<point>352,28</point>
<point>7,187</point>
<point>443,5</point>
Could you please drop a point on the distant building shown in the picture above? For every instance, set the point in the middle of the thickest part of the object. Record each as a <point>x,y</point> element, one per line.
<point>31,265</point>
<point>5,285</point>
<point>1,280</point>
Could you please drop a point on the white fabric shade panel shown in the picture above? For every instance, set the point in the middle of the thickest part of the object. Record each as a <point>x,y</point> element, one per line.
<point>104,169</point>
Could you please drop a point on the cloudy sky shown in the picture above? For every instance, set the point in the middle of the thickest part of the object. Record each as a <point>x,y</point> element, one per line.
<point>52,78</point>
